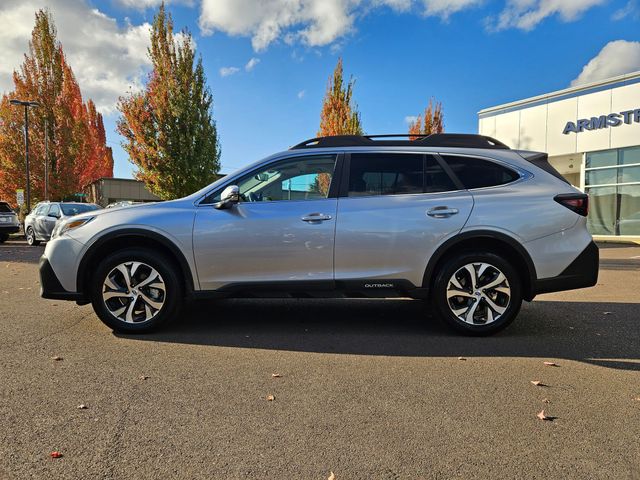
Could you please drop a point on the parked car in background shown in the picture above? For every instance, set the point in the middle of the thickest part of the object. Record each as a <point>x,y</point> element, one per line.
<point>39,224</point>
<point>8,222</point>
<point>123,203</point>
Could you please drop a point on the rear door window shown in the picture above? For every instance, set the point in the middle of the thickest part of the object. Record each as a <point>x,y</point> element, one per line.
<point>54,210</point>
<point>396,174</point>
<point>479,173</point>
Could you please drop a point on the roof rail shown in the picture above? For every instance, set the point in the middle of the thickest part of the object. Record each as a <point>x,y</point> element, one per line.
<point>460,140</point>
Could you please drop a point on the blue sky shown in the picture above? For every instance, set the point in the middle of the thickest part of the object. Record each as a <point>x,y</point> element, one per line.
<point>468,54</point>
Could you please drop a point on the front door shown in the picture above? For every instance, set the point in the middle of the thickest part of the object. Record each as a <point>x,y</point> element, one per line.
<point>281,231</point>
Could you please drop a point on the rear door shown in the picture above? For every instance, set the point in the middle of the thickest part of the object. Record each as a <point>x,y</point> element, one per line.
<point>393,212</point>
<point>49,220</point>
<point>38,220</point>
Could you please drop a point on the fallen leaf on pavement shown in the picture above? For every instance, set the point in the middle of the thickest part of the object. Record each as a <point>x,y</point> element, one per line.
<point>332,476</point>
<point>82,406</point>
<point>271,398</point>
<point>56,359</point>
<point>276,375</point>
<point>638,399</point>
<point>538,383</point>
<point>544,416</point>
<point>143,377</point>
<point>607,313</point>
<point>461,358</point>
<point>55,455</point>
<point>551,364</point>
<point>546,400</point>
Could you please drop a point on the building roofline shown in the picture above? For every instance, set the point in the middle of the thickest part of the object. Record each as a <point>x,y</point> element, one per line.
<point>620,80</point>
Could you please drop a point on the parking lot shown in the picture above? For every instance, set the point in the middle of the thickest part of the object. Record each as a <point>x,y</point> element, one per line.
<point>367,389</point>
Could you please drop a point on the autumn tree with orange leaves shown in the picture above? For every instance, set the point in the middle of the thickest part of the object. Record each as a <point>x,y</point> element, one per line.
<point>168,129</point>
<point>76,138</point>
<point>432,121</point>
<point>339,116</point>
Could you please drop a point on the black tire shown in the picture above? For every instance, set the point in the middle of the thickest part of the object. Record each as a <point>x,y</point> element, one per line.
<point>453,265</point>
<point>31,237</point>
<point>172,297</point>
<point>4,237</point>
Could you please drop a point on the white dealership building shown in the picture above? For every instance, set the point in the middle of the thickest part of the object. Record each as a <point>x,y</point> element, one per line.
<point>592,135</point>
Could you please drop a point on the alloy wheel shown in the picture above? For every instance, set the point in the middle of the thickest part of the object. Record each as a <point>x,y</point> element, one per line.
<point>478,293</point>
<point>134,292</point>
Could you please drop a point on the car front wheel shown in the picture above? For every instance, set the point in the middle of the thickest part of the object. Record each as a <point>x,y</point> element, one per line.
<point>478,293</point>
<point>31,237</point>
<point>136,291</point>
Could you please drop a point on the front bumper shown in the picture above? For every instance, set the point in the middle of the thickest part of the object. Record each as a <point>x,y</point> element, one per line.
<point>581,273</point>
<point>50,286</point>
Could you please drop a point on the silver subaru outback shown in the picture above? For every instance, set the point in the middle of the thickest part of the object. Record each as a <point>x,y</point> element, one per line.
<point>461,222</point>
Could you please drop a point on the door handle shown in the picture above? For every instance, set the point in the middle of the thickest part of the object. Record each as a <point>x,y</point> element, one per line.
<point>315,217</point>
<point>442,212</point>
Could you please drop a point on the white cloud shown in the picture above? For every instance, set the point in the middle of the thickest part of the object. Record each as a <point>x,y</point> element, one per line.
<point>106,58</point>
<point>251,64</point>
<point>228,71</point>
<point>629,10</point>
<point>527,14</point>
<point>145,4</point>
<point>446,8</point>
<point>616,58</point>
<point>310,22</point>
<point>301,94</point>
<point>409,119</point>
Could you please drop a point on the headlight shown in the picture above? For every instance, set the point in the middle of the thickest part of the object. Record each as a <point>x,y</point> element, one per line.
<point>63,227</point>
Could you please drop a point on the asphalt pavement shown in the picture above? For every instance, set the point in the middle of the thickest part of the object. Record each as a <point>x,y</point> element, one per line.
<point>366,389</point>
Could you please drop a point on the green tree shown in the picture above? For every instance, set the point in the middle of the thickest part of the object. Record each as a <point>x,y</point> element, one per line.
<point>168,128</point>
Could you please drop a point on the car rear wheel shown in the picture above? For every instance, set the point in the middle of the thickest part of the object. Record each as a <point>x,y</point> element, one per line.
<point>136,291</point>
<point>477,293</point>
<point>31,237</point>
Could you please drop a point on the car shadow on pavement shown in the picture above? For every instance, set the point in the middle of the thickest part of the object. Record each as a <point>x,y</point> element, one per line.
<point>16,250</point>
<point>605,334</point>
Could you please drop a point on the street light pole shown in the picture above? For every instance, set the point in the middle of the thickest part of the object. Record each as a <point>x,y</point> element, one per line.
<point>26,105</point>
<point>46,159</point>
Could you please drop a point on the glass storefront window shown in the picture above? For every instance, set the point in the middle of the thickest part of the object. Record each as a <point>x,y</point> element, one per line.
<point>629,156</point>
<point>614,209</point>
<point>629,174</point>
<point>602,159</point>
<point>629,223</point>
<point>602,210</point>
<point>602,177</point>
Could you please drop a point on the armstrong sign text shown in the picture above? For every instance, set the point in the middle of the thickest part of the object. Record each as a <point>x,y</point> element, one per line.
<point>603,121</point>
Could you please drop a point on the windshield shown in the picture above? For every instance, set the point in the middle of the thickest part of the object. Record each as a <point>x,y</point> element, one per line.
<point>5,208</point>
<point>70,209</point>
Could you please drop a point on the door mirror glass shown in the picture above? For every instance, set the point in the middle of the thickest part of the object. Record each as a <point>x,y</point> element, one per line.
<point>54,215</point>
<point>229,197</point>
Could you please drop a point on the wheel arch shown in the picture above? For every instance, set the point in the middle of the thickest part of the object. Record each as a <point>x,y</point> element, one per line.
<point>133,237</point>
<point>488,240</point>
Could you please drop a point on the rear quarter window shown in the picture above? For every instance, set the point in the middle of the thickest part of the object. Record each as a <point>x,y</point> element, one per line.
<point>5,208</point>
<point>479,173</point>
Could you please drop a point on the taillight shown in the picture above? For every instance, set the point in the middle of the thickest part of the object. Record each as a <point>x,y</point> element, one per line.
<point>578,202</point>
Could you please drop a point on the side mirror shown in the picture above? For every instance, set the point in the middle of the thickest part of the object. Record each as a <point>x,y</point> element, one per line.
<point>53,215</point>
<point>230,196</point>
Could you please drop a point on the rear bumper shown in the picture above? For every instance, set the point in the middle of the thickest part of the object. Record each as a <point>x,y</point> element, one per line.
<point>581,273</point>
<point>9,229</point>
<point>50,286</point>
